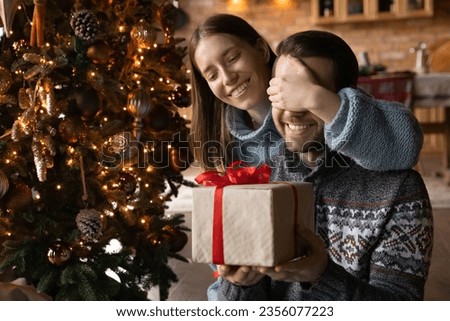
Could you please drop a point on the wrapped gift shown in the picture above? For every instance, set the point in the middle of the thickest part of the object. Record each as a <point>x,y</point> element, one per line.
<point>250,224</point>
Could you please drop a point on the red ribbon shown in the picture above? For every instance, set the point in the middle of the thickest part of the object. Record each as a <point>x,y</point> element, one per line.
<point>234,175</point>
<point>237,173</point>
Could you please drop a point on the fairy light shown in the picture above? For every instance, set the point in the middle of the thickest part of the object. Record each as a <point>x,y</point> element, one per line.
<point>58,187</point>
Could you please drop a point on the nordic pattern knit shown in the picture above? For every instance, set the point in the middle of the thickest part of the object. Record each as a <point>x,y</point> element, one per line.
<point>377,227</point>
<point>376,134</point>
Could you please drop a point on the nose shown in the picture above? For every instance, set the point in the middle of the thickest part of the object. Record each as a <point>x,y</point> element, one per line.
<point>229,77</point>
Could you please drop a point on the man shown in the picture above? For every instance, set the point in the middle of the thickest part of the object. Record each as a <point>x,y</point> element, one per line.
<point>374,232</point>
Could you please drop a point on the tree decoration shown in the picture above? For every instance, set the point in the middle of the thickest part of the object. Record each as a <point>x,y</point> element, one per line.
<point>90,224</point>
<point>181,96</point>
<point>175,238</point>
<point>37,26</point>
<point>59,253</point>
<point>143,34</point>
<point>4,184</point>
<point>87,101</point>
<point>158,119</point>
<point>8,10</point>
<point>99,52</point>
<point>127,183</point>
<point>72,130</point>
<point>19,196</point>
<point>85,25</point>
<point>139,105</point>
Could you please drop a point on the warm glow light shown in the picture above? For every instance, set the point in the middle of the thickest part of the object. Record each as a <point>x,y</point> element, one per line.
<point>237,5</point>
<point>58,187</point>
<point>284,4</point>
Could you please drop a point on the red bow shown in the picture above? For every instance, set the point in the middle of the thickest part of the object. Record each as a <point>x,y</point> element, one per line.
<point>237,173</point>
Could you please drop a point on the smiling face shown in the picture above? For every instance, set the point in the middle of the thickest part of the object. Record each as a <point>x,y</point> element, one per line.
<point>303,131</point>
<point>236,72</point>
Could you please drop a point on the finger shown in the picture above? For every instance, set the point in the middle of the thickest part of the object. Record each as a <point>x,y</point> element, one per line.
<point>223,270</point>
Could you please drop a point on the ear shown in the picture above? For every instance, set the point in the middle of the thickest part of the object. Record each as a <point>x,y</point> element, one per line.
<point>264,48</point>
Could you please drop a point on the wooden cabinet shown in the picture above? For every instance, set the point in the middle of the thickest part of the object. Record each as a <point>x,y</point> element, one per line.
<point>344,11</point>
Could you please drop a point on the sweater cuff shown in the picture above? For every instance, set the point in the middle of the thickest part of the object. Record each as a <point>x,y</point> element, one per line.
<point>340,128</point>
<point>330,285</point>
<point>230,292</point>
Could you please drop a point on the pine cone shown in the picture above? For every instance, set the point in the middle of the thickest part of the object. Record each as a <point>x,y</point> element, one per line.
<point>90,224</point>
<point>85,24</point>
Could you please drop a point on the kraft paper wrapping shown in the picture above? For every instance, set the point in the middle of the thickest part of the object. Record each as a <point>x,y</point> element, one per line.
<point>258,222</point>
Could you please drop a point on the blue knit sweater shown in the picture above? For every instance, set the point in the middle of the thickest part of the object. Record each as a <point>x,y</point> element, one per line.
<point>376,134</point>
<point>377,227</point>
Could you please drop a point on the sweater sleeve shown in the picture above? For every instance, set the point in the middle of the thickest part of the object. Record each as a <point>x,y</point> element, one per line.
<point>377,134</point>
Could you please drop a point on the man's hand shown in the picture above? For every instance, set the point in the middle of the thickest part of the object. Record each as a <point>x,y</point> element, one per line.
<point>240,275</point>
<point>307,268</point>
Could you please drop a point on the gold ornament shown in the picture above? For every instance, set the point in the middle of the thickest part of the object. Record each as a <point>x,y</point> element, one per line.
<point>43,147</point>
<point>59,253</point>
<point>8,10</point>
<point>4,184</point>
<point>99,52</point>
<point>73,130</point>
<point>19,197</point>
<point>143,34</point>
<point>47,96</point>
<point>139,105</point>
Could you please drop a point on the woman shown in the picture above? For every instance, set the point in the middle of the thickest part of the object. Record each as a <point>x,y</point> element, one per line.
<point>231,120</point>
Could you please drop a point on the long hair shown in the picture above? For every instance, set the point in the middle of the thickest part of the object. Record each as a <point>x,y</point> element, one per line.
<point>315,43</point>
<point>210,139</point>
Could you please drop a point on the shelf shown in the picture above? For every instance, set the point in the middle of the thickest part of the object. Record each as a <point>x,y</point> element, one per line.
<point>348,11</point>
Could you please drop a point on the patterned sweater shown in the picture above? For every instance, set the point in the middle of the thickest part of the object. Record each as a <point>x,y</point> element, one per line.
<point>377,227</point>
<point>378,135</point>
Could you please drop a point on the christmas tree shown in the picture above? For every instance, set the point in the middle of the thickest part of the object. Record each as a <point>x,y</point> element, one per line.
<point>92,146</point>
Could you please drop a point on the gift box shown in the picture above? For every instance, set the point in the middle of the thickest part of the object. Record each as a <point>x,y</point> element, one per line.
<point>250,224</point>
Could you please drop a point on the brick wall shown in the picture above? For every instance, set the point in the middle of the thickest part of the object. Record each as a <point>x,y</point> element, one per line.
<point>387,42</point>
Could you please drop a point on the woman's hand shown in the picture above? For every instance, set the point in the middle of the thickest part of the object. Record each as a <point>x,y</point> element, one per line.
<point>307,268</point>
<point>240,275</point>
<point>297,89</point>
<point>292,89</point>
